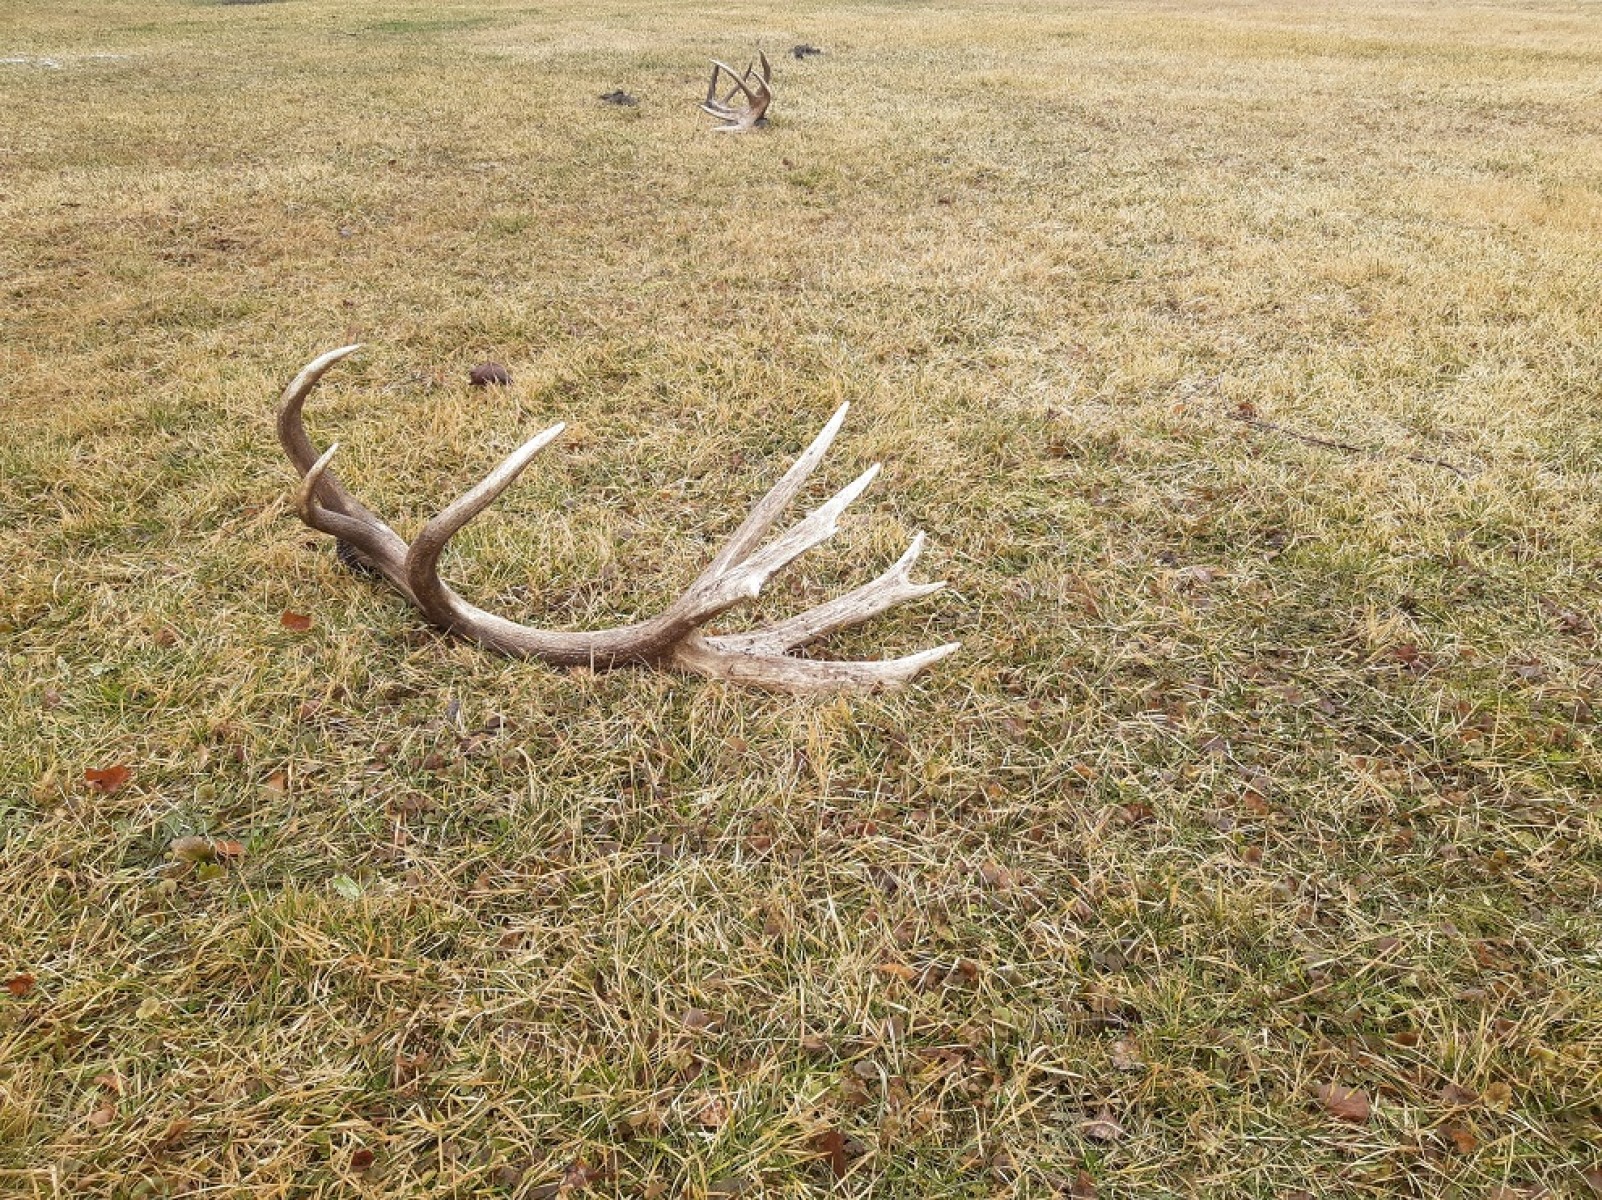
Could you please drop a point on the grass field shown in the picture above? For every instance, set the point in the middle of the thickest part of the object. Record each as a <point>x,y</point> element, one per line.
<point>1243,362</point>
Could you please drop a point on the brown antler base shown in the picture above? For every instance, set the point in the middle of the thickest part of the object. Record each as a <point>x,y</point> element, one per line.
<point>673,638</point>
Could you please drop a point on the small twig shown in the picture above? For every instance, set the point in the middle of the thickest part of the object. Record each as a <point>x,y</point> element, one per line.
<point>1330,443</point>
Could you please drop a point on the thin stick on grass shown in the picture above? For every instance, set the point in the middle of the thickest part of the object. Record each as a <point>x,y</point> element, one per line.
<point>1332,444</point>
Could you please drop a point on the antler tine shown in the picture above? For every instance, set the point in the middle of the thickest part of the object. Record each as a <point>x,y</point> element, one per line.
<point>767,68</point>
<point>767,510</point>
<point>717,591</point>
<point>736,88</point>
<point>816,527</point>
<point>712,88</point>
<point>323,502</point>
<point>292,430</point>
<point>802,676</point>
<point>719,108</point>
<point>739,84</point>
<point>893,587</point>
<point>671,638</point>
<point>422,559</point>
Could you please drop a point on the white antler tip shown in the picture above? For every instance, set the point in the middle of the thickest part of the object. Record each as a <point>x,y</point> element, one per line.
<point>334,356</point>
<point>321,465</point>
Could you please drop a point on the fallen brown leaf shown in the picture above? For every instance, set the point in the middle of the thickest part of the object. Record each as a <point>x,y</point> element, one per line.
<point>1126,1056</point>
<point>836,1147</point>
<point>995,875</point>
<point>714,1114</point>
<point>1346,1104</point>
<point>295,622</point>
<point>1462,1139</point>
<point>1102,1127</point>
<point>578,1175</point>
<point>508,1176</point>
<point>107,779</point>
<point>20,985</point>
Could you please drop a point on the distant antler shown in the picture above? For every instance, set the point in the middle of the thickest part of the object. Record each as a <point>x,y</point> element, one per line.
<point>672,638</point>
<point>758,92</point>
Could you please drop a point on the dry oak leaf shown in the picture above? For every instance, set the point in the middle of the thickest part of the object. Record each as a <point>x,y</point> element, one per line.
<point>838,1149</point>
<point>1346,1104</point>
<point>361,1159</point>
<point>20,985</point>
<point>1499,1094</point>
<point>1126,1056</point>
<point>295,622</point>
<point>995,875</point>
<point>107,779</point>
<point>577,1176</point>
<point>174,1135</point>
<point>1462,1139</point>
<point>1102,1127</point>
<point>714,1114</point>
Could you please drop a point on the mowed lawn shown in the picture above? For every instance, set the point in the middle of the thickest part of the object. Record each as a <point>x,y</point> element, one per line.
<point>1243,363</point>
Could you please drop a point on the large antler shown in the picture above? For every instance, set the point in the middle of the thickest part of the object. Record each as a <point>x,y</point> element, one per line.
<point>758,92</point>
<point>672,638</point>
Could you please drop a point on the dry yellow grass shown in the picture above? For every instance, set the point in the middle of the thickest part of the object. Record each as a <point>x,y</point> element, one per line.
<point>1266,766</point>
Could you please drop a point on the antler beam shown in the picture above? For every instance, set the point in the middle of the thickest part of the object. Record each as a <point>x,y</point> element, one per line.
<point>673,638</point>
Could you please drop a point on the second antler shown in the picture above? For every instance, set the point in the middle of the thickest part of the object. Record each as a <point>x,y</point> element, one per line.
<point>673,638</point>
<point>757,89</point>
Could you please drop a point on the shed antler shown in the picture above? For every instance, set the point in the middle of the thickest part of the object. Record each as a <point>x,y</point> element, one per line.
<point>674,637</point>
<point>758,92</point>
